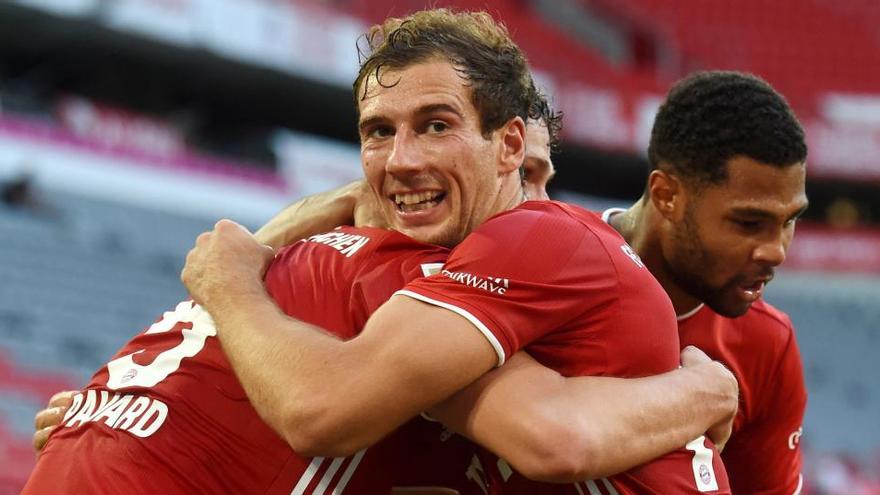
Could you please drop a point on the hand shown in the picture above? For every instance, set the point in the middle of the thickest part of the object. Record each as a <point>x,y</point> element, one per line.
<point>366,209</point>
<point>695,359</point>
<point>46,420</point>
<point>227,259</point>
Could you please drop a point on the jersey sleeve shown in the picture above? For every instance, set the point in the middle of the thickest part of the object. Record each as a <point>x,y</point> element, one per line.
<point>765,456</point>
<point>521,275</point>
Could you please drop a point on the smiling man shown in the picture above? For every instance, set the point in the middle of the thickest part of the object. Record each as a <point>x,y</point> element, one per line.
<point>716,219</point>
<point>442,137</point>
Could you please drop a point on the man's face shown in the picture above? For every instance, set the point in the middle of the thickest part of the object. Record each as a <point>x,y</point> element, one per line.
<point>733,235</point>
<point>538,167</point>
<point>434,174</point>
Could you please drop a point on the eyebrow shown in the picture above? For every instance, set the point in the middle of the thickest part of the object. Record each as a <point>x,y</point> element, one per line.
<point>439,107</point>
<point>370,122</point>
<point>421,111</point>
<point>759,213</point>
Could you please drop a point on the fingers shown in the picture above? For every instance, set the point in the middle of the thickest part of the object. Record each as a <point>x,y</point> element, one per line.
<point>62,399</point>
<point>50,416</point>
<point>692,356</point>
<point>720,434</point>
<point>46,420</point>
<point>40,438</point>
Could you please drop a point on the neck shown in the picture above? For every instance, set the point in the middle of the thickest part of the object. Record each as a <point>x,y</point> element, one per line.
<point>642,227</point>
<point>511,194</point>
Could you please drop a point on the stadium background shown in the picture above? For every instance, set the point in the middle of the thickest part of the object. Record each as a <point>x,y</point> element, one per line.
<point>129,126</point>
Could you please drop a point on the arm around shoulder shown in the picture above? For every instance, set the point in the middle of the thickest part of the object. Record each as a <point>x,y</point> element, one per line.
<point>571,429</point>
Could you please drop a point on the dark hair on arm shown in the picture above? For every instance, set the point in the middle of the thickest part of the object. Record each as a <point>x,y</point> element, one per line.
<point>711,117</point>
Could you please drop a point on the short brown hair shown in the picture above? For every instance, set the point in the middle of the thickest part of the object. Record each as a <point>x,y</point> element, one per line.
<point>479,48</point>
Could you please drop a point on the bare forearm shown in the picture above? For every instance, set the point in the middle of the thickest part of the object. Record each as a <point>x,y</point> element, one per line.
<point>634,421</point>
<point>278,360</point>
<point>311,215</point>
<point>331,398</point>
<point>582,428</point>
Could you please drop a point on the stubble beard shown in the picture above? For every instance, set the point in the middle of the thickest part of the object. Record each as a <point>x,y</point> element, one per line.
<point>688,264</point>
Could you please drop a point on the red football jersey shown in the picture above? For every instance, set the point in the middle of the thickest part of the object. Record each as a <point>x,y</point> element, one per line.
<point>556,280</point>
<point>763,454</point>
<point>168,415</point>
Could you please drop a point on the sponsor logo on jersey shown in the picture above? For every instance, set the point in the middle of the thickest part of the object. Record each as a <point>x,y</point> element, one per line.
<point>139,415</point>
<point>705,474</point>
<point>490,284</point>
<point>631,254</point>
<point>347,244</point>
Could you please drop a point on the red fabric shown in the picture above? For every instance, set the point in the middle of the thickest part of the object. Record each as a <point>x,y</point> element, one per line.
<point>211,440</point>
<point>764,453</point>
<point>579,303</point>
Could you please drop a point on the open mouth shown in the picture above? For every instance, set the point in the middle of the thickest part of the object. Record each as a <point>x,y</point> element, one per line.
<point>417,201</point>
<point>753,290</point>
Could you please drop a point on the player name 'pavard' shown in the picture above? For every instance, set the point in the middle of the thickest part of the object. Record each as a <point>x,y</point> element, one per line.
<point>139,415</point>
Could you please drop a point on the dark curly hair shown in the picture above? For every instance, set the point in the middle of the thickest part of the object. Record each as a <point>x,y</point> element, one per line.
<point>479,48</point>
<point>713,116</point>
<point>541,111</point>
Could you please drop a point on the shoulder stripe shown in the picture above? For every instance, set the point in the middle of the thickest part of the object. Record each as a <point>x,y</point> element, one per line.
<point>461,312</point>
<point>592,488</point>
<point>609,486</point>
<point>328,476</point>
<point>349,471</point>
<point>307,476</point>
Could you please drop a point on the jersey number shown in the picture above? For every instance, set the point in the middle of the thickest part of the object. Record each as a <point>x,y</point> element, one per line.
<point>124,372</point>
<point>704,472</point>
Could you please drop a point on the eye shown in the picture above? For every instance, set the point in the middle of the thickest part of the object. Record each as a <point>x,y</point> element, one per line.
<point>748,225</point>
<point>381,131</point>
<point>436,126</point>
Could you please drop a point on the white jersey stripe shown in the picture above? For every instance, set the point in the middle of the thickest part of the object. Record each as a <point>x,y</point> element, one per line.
<point>461,312</point>
<point>349,472</point>
<point>579,489</point>
<point>328,476</point>
<point>307,476</point>
<point>593,488</point>
<point>800,486</point>
<point>609,487</point>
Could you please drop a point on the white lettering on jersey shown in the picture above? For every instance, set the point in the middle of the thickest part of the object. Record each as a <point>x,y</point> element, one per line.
<point>795,438</point>
<point>477,474</point>
<point>490,284</point>
<point>142,417</point>
<point>347,244</point>
<point>504,469</point>
<point>627,250</point>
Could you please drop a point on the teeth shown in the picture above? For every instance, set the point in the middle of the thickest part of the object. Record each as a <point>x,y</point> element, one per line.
<point>415,198</point>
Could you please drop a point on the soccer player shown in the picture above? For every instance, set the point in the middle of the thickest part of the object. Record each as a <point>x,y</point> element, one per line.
<point>716,218</point>
<point>166,414</point>
<point>441,156</point>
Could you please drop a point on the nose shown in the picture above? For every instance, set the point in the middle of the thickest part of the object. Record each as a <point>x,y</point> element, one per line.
<point>406,155</point>
<point>772,251</point>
